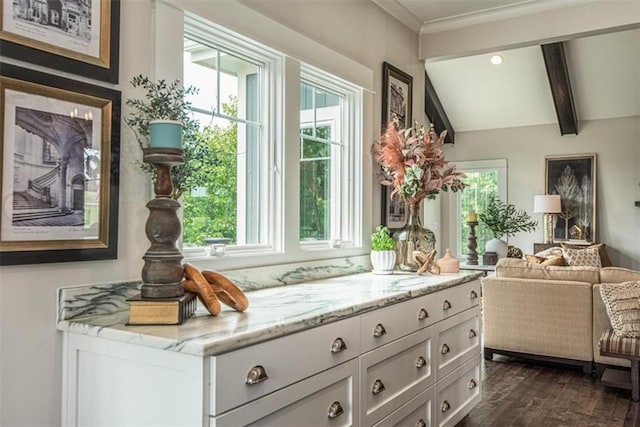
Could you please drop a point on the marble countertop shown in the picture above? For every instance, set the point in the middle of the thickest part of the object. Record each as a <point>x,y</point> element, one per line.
<point>272,312</point>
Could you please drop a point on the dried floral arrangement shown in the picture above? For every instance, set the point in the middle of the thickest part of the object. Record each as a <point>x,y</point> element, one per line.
<point>413,163</point>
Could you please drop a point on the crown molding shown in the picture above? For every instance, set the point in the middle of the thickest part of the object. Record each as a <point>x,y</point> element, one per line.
<point>495,14</point>
<point>398,11</point>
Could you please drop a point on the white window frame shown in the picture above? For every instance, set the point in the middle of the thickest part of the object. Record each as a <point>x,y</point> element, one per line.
<point>498,165</point>
<point>346,162</point>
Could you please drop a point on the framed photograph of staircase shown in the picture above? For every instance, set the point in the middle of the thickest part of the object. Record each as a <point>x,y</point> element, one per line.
<point>60,168</point>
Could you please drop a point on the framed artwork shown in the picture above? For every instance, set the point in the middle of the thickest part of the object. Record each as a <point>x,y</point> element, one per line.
<point>394,212</point>
<point>573,177</point>
<point>60,151</point>
<point>79,37</point>
<point>397,96</point>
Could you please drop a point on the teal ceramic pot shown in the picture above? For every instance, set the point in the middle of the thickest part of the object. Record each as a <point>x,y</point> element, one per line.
<point>165,133</point>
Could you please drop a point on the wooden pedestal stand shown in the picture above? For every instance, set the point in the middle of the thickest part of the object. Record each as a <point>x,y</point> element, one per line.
<point>472,244</point>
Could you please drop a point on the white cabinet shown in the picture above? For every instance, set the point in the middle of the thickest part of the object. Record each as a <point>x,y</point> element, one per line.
<point>414,363</point>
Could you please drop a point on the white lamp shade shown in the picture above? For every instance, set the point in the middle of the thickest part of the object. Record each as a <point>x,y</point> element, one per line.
<point>548,203</point>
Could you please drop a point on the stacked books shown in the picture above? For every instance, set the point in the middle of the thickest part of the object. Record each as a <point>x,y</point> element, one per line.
<point>161,311</point>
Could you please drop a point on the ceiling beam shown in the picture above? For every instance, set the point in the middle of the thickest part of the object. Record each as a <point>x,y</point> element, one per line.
<point>558,74</point>
<point>435,111</point>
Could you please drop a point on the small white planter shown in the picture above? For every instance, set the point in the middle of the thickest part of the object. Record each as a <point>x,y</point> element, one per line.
<point>383,262</point>
<point>498,246</point>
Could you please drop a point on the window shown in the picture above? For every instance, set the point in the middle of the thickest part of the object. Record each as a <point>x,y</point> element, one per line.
<point>485,179</point>
<point>235,199</point>
<point>330,155</point>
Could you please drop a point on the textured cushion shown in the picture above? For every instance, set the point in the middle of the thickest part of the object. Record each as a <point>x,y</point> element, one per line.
<point>582,257</point>
<point>618,274</point>
<point>605,261</point>
<point>622,301</point>
<point>614,344</point>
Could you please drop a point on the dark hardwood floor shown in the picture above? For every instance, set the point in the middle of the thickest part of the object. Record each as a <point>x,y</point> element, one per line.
<point>527,393</point>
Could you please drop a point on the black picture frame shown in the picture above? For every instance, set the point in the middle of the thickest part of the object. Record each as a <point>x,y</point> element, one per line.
<point>573,177</point>
<point>78,159</point>
<point>103,65</point>
<point>395,84</point>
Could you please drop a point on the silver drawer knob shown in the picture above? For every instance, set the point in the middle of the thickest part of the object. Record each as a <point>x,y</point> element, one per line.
<point>421,423</point>
<point>444,349</point>
<point>338,345</point>
<point>446,305</point>
<point>421,362</point>
<point>472,384</point>
<point>335,410</point>
<point>422,314</point>
<point>379,330</point>
<point>473,295</point>
<point>445,406</point>
<point>378,387</point>
<point>472,333</point>
<point>256,375</point>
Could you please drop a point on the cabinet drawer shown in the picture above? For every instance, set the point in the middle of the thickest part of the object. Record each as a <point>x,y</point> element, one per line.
<point>283,361</point>
<point>328,399</point>
<point>418,412</point>
<point>394,373</point>
<point>457,340</point>
<point>457,393</point>
<point>459,298</point>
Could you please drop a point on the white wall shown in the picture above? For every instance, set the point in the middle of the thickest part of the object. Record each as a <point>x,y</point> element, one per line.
<point>615,143</point>
<point>30,346</point>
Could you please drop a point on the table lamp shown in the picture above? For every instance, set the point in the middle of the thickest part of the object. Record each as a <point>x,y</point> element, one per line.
<point>549,205</point>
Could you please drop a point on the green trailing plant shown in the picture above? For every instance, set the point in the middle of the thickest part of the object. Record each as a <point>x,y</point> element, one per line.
<point>503,219</point>
<point>381,239</point>
<point>168,101</point>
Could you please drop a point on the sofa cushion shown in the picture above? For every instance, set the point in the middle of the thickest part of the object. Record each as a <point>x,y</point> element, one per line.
<point>618,274</point>
<point>582,257</point>
<point>605,261</point>
<point>622,301</point>
<point>511,267</point>
<point>612,343</point>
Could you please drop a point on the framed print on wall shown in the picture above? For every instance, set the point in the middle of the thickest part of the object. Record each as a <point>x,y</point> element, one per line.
<point>394,212</point>
<point>79,37</point>
<point>397,96</point>
<point>573,177</point>
<point>60,168</point>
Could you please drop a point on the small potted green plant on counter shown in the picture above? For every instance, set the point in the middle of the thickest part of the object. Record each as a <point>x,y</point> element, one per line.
<point>503,219</point>
<point>383,251</point>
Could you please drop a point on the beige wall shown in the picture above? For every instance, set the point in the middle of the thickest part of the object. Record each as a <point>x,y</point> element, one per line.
<point>615,142</point>
<point>30,346</point>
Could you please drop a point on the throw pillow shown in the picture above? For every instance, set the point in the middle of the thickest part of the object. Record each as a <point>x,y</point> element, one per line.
<point>622,301</point>
<point>533,259</point>
<point>602,250</point>
<point>554,260</point>
<point>582,257</point>
<point>548,253</point>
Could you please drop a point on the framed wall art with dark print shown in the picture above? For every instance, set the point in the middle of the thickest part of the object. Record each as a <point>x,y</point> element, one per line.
<point>573,177</point>
<point>60,165</point>
<point>79,37</point>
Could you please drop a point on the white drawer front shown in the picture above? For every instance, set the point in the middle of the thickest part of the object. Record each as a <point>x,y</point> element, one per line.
<point>284,360</point>
<point>418,412</point>
<point>385,325</point>
<point>457,393</point>
<point>328,399</point>
<point>459,298</point>
<point>457,340</point>
<point>394,373</point>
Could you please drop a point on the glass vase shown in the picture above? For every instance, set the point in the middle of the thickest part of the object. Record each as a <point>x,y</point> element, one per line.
<point>412,237</point>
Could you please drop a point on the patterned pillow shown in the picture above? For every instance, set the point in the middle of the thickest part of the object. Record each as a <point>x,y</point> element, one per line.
<point>622,301</point>
<point>582,257</point>
<point>602,249</point>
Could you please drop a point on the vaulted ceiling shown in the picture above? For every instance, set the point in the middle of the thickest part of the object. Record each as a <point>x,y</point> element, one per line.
<point>603,66</point>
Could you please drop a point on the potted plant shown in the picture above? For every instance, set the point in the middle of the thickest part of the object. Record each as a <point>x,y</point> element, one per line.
<point>383,251</point>
<point>503,219</point>
<point>153,120</point>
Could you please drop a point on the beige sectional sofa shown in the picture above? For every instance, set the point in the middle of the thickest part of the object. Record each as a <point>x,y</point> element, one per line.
<point>548,312</point>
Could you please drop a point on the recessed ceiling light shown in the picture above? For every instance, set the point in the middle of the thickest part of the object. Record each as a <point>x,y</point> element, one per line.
<point>496,59</point>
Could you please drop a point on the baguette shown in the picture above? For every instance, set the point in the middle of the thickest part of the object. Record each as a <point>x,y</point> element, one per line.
<point>227,291</point>
<point>198,284</point>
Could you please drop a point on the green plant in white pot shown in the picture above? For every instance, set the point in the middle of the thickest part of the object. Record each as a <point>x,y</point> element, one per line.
<point>383,251</point>
<point>504,220</point>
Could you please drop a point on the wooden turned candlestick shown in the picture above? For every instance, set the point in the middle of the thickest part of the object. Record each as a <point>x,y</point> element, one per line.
<point>472,244</point>
<point>162,272</point>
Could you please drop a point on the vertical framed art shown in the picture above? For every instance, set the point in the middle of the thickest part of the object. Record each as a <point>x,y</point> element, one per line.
<point>79,37</point>
<point>397,101</point>
<point>60,168</point>
<point>573,177</point>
